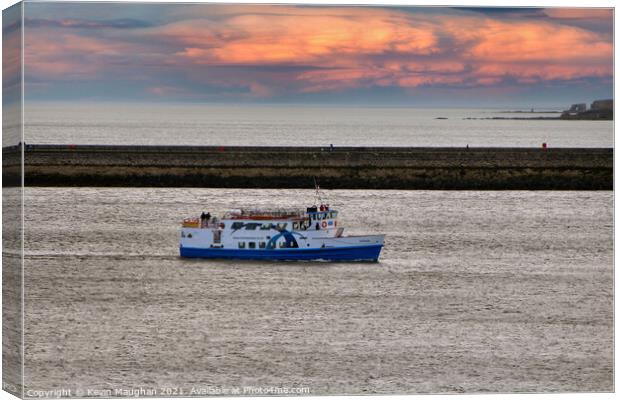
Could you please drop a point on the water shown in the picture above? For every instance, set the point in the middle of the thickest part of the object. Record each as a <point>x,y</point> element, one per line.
<point>234,125</point>
<point>474,292</point>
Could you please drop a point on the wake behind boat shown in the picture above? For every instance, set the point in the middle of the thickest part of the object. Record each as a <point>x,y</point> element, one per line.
<point>281,234</point>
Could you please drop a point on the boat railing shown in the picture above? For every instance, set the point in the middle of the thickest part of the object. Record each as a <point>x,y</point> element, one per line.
<point>212,223</point>
<point>191,223</point>
<point>264,214</point>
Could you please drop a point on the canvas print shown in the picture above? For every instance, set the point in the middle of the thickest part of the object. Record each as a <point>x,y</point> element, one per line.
<point>206,199</point>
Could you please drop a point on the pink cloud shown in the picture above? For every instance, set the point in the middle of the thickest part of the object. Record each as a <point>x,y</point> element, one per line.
<point>11,55</point>
<point>68,55</point>
<point>333,48</point>
<point>580,13</point>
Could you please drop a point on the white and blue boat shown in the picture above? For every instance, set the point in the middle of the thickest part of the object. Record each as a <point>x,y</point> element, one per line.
<point>253,234</point>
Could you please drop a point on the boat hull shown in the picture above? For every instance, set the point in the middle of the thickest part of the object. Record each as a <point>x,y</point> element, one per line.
<point>369,253</point>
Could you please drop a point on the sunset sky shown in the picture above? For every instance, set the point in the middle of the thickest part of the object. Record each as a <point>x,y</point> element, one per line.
<point>317,54</point>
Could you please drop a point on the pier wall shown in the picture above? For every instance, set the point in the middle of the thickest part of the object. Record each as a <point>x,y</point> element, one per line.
<point>295,167</point>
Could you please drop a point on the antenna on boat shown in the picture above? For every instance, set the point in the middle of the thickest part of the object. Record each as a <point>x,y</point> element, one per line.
<point>317,191</point>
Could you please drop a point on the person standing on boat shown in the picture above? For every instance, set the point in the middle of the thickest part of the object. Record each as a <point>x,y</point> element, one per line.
<point>204,219</point>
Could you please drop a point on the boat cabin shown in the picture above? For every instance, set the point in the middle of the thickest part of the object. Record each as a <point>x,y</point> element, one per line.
<point>260,229</point>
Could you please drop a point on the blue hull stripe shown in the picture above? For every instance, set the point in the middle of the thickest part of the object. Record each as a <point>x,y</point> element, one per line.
<point>356,253</point>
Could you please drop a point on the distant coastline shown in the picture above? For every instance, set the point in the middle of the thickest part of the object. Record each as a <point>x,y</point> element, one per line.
<point>516,118</point>
<point>600,110</point>
<point>529,112</point>
<point>579,117</point>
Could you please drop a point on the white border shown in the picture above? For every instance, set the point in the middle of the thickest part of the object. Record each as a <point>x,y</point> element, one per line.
<point>446,3</point>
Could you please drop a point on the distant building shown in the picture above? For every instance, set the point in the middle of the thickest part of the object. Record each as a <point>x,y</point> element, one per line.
<point>599,109</point>
<point>602,105</point>
<point>577,108</point>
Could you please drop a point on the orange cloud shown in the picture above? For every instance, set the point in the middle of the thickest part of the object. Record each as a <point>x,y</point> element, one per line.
<point>267,39</point>
<point>364,47</point>
<point>539,42</point>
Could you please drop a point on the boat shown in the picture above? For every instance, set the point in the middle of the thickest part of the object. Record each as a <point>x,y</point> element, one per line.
<point>313,234</point>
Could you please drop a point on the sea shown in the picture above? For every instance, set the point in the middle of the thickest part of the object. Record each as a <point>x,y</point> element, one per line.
<point>503,291</point>
<point>307,125</point>
<point>474,292</point>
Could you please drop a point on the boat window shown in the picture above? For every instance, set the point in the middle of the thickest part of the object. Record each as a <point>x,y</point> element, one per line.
<point>265,227</point>
<point>252,245</point>
<point>262,245</point>
<point>242,245</point>
<point>237,225</point>
<point>325,216</point>
<point>251,227</point>
<point>332,214</point>
<point>313,216</point>
<point>295,225</point>
<point>282,244</point>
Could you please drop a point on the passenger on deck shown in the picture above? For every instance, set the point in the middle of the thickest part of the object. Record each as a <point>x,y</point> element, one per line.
<point>317,226</point>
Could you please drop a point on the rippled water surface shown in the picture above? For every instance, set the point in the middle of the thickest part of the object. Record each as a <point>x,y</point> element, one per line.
<point>474,292</point>
<point>235,125</point>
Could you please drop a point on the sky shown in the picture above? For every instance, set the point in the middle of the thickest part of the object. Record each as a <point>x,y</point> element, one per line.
<point>240,53</point>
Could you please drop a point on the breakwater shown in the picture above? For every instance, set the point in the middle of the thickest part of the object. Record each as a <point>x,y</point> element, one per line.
<point>295,167</point>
